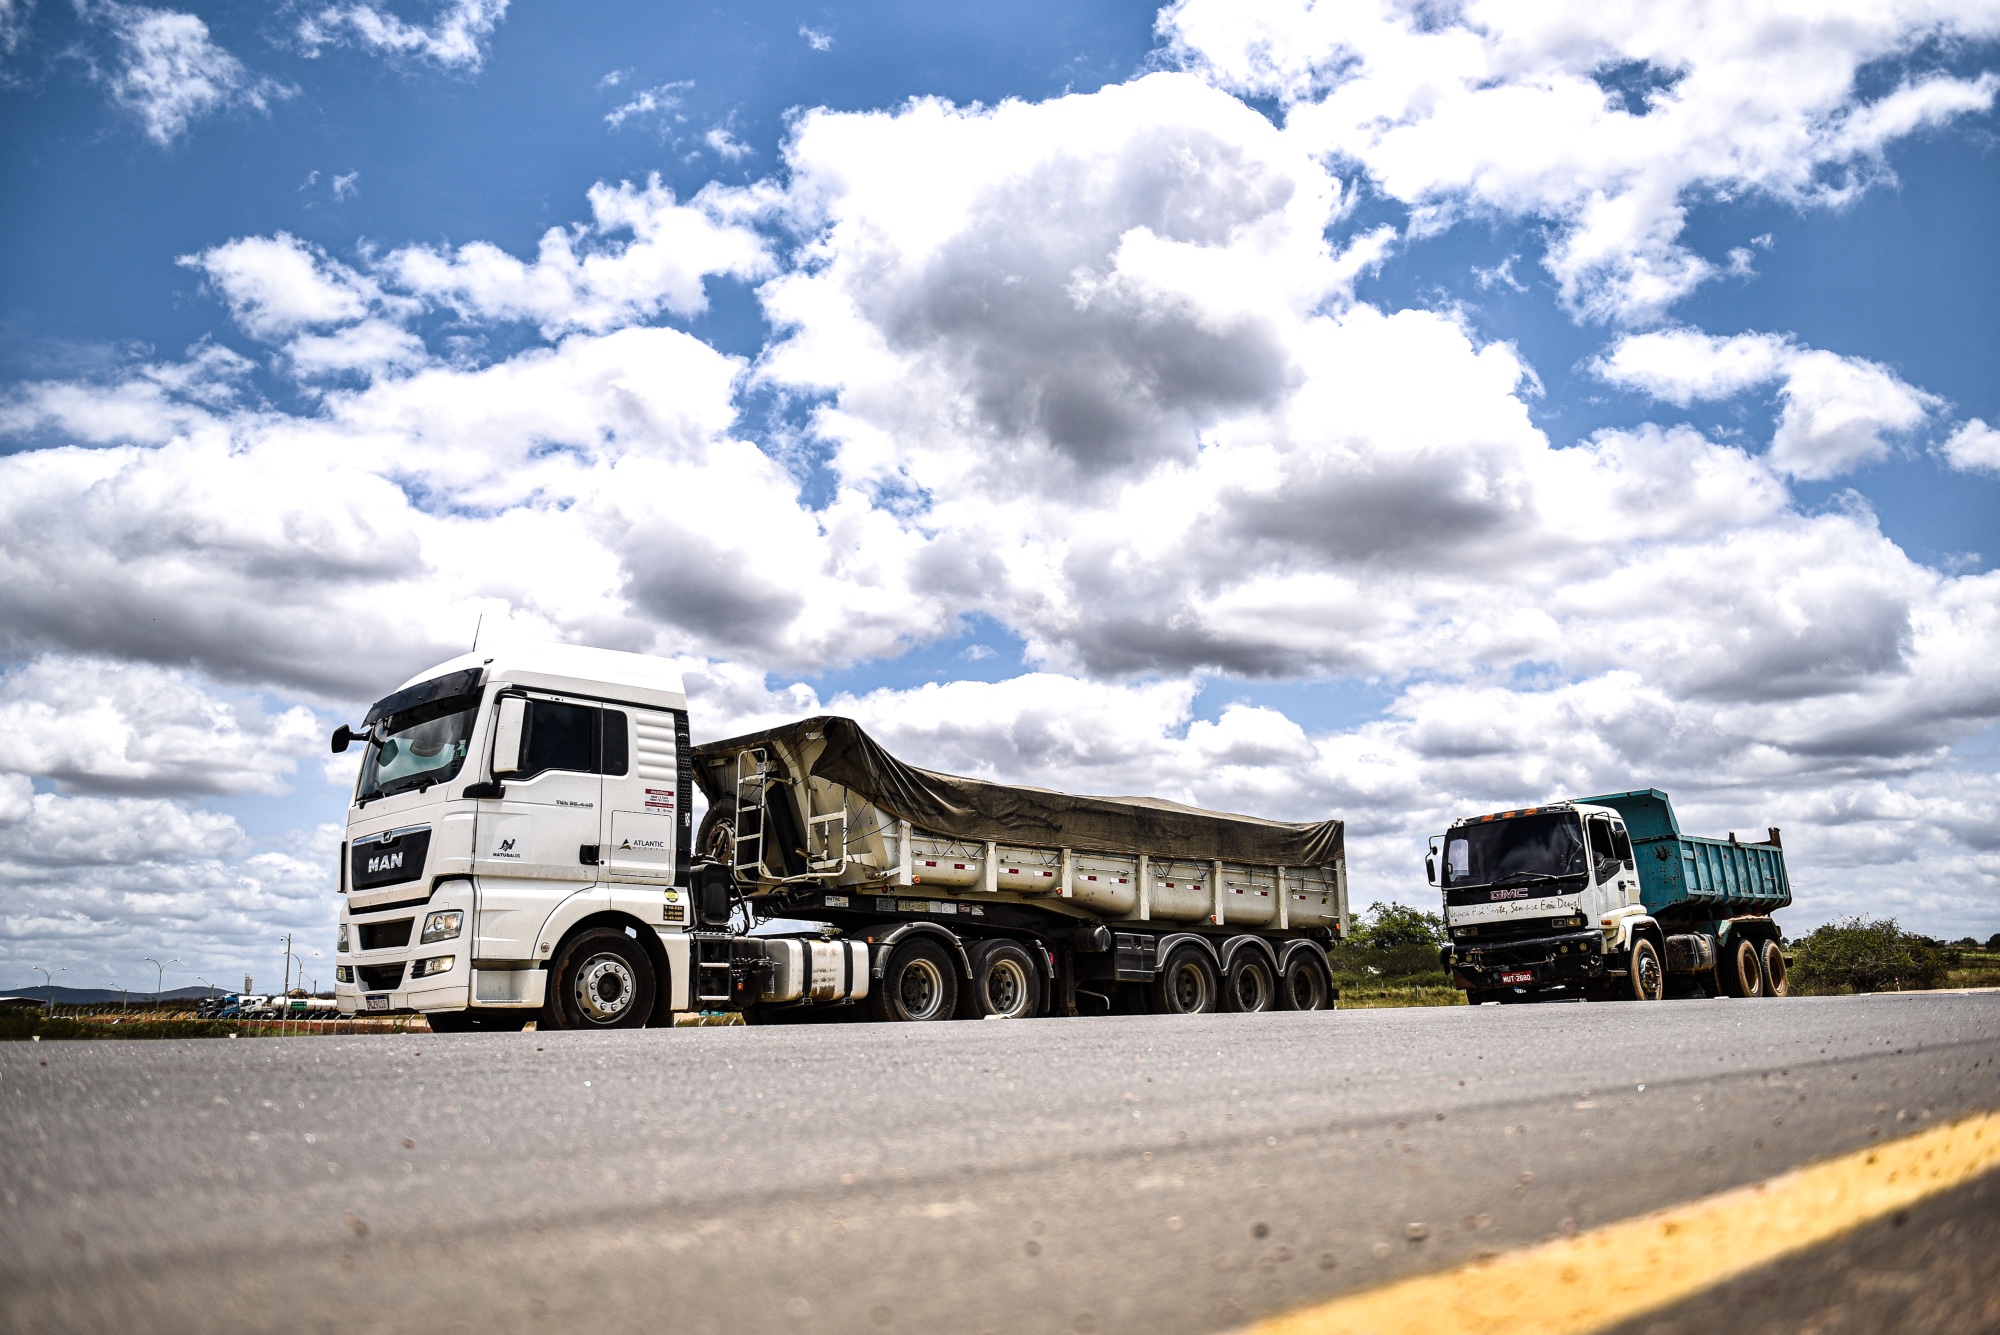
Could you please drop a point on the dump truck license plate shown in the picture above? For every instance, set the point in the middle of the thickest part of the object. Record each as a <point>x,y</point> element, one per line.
<point>1519,976</point>
<point>378,1003</point>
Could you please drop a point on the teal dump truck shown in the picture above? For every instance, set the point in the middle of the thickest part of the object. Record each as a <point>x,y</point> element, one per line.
<point>1603,898</point>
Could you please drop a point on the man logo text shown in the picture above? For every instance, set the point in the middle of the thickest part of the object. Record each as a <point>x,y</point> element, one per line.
<point>384,862</point>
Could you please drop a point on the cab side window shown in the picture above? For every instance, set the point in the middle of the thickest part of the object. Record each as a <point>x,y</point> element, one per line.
<point>558,736</point>
<point>581,738</point>
<point>615,750</point>
<point>1621,844</point>
<point>1601,847</point>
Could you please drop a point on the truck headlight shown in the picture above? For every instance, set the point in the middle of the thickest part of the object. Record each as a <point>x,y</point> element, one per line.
<point>442,927</point>
<point>430,968</point>
<point>343,973</point>
<point>342,946</point>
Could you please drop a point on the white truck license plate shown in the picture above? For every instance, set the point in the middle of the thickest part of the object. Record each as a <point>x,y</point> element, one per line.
<point>378,1003</point>
<point>1520,976</point>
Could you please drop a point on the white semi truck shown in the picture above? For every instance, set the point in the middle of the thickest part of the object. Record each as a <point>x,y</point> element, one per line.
<point>521,845</point>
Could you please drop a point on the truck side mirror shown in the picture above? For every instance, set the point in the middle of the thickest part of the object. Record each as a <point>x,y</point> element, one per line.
<point>344,737</point>
<point>509,731</point>
<point>1431,868</point>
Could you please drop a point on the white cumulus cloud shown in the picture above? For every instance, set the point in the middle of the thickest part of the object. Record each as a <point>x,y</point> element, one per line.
<point>580,279</point>
<point>169,72</point>
<point>1607,120</point>
<point>1973,448</point>
<point>1840,412</point>
<point>455,39</point>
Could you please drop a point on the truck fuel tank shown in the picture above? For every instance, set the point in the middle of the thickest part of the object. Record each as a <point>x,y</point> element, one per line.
<point>804,969</point>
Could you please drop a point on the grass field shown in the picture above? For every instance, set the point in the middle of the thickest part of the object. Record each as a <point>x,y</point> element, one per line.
<point>1975,968</point>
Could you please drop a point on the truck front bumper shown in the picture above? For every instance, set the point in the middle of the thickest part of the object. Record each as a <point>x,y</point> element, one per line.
<point>386,981</point>
<point>1571,959</point>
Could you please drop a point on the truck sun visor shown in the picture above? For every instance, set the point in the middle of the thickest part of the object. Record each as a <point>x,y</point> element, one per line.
<point>424,692</point>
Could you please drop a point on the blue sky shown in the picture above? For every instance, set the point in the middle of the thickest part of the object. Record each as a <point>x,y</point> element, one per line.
<point>1300,411</point>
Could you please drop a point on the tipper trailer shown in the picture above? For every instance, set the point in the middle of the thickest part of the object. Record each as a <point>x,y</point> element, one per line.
<point>1604,898</point>
<point>521,846</point>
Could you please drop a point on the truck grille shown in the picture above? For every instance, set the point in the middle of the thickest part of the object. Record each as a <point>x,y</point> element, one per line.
<point>385,935</point>
<point>381,977</point>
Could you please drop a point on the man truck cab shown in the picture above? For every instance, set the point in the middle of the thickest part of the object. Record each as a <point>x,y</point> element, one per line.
<point>505,801</point>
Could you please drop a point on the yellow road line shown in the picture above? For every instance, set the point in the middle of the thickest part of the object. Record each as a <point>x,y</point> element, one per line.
<point>1587,1283</point>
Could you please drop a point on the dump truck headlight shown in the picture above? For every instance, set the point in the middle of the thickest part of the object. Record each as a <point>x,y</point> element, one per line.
<point>432,967</point>
<point>442,926</point>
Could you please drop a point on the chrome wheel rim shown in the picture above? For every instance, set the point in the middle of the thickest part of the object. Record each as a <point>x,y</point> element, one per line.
<point>920,989</point>
<point>604,988</point>
<point>1007,989</point>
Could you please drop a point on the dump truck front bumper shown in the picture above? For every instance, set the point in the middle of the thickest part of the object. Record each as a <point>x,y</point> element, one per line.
<point>1548,961</point>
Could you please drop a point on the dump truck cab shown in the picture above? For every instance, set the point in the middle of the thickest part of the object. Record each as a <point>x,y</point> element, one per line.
<point>1525,892</point>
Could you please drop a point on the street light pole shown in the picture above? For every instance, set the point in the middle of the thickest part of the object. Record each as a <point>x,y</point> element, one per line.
<point>159,978</point>
<point>49,982</point>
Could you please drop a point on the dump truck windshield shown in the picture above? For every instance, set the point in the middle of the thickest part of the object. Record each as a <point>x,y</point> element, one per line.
<point>1521,850</point>
<point>417,747</point>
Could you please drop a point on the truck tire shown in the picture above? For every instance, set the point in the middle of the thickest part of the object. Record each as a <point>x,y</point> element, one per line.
<point>1188,985</point>
<point>1772,957</point>
<point>1250,984</point>
<point>483,1022</point>
<point>1645,974</point>
<point>1306,984</point>
<point>716,838</point>
<point>600,979</point>
<point>1005,983</point>
<point>1741,974</point>
<point>919,983</point>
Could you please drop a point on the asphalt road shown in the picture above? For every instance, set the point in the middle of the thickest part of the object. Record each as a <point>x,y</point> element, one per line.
<point>1147,1174</point>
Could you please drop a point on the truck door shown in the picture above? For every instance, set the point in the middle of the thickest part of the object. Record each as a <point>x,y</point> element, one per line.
<point>538,844</point>
<point>644,808</point>
<point>1611,867</point>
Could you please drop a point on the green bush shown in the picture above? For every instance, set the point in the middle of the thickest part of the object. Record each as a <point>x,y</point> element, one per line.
<point>1859,956</point>
<point>1391,945</point>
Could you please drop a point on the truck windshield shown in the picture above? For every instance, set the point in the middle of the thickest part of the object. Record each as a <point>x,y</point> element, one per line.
<point>417,747</point>
<point>1519,851</point>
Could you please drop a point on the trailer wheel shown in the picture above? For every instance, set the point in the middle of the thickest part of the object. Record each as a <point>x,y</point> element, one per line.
<point>716,838</point>
<point>601,979</point>
<point>1249,985</point>
<point>1742,975</point>
<point>919,983</point>
<point>1648,979</point>
<point>1005,983</point>
<point>1187,985</point>
<point>1306,985</point>
<point>1772,957</point>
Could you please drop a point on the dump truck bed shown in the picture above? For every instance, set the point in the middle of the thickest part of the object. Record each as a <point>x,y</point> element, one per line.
<point>1680,873</point>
